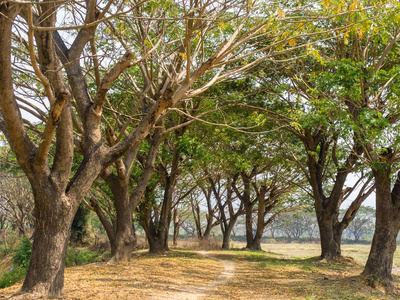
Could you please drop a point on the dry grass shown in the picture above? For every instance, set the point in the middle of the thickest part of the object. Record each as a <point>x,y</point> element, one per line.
<point>145,277</point>
<point>272,276</point>
<point>5,264</point>
<point>284,271</point>
<point>211,243</point>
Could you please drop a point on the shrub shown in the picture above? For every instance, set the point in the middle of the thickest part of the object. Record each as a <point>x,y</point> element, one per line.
<point>22,255</point>
<point>10,277</point>
<point>76,257</point>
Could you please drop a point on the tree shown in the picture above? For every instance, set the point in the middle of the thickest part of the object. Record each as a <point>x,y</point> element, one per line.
<point>310,224</point>
<point>16,203</point>
<point>363,78</point>
<point>322,117</point>
<point>204,230</point>
<point>363,223</point>
<point>77,102</point>
<point>79,224</point>
<point>228,208</point>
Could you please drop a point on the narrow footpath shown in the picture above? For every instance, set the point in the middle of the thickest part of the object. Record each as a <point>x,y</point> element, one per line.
<point>194,292</point>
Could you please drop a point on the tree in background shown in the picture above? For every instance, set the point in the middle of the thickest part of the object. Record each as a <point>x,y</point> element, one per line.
<point>362,227</point>
<point>16,203</point>
<point>79,224</point>
<point>72,104</point>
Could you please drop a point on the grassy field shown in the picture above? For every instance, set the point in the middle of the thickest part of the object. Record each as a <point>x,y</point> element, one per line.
<point>283,271</point>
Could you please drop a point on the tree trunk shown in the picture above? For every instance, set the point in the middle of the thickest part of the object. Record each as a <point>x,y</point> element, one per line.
<point>154,229</point>
<point>124,237</point>
<point>176,234</point>
<point>226,240</point>
<point>209,226</point>
<point>255,243</point>
<point>158,231</point>
<point>176,227</point>
<point>249,224</point>
<point>227,234</point>
<point>380,260</point>
<point>46,269</point>
<point>330,237</point>
<point>156,244</point>
<point>166,231</point>
<point>196,216</point>
<point>106,224</point>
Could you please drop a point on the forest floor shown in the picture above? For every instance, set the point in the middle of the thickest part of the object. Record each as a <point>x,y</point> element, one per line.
<point>283,271</point>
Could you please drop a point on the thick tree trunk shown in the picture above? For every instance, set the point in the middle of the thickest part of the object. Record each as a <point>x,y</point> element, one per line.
<point>154,229</point>
<point>330,238</point>
<point>254,240</point>
<point>158,232</point>
<point>227,235</point>
<point>380,261</point>
<point>157,243</point>
<point>226,240</point>
<point>255,244</point>
<point>124,237</point>
<point>46,269</point>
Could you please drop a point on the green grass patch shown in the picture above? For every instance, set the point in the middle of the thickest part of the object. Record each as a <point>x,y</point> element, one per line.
<point>12,276</point>
<point>77,257</point>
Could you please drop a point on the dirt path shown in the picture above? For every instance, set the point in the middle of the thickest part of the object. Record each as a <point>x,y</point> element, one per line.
<point>194,292</point>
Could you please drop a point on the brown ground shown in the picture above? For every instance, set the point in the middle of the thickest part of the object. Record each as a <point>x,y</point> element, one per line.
<point>184,274</point>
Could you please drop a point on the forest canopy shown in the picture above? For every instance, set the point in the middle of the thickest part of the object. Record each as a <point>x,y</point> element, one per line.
<point>148,111</point>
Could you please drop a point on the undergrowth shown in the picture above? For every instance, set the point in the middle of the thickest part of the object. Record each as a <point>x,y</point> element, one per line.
<point>21,256</point>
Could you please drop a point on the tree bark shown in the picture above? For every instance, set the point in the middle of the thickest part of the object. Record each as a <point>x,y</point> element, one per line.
<point>156,244</point>
<point>330,237</point>
<point>124,237</point>
<point>253,240</point>
<point>226,237</point>
<point>248,207</point>
<point>380,260</point>
<point>261,213</point>
<point>177,225</point>
<point>46,269</point>
<point>157,230</point>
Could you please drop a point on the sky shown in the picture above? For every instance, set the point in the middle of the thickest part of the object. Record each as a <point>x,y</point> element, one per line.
<point>370,201</point>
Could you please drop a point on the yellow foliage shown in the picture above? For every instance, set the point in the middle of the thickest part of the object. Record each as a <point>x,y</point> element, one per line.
<point>345,38</point>
<point>280,12</point>
<point>353,6</point>
<point>182,55</point>
<point>360,34</point>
